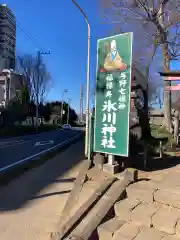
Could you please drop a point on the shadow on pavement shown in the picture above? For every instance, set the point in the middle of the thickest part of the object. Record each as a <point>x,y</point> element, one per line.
<point>154,163</point>
<point>50,194</point>
<point>65,180</point>
<point>21,190</point>
<point>144,156</point>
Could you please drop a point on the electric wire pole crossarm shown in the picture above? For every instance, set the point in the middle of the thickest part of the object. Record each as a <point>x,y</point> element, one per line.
<point>88,78</point>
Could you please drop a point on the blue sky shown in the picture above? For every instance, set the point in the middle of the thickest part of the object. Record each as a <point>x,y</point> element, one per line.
<point>60,28</point>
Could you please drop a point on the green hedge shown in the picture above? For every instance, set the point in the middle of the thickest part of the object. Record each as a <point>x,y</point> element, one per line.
<point>23,130</point>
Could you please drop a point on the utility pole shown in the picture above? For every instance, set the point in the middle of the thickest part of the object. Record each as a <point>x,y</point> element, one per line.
<point>39,53</point>
<point>88,75</point>
<point>69,100</point>
<point>81,103</point>
<point>62,104</point>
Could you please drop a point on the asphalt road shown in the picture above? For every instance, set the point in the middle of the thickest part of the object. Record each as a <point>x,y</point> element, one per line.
<point>25,148</point>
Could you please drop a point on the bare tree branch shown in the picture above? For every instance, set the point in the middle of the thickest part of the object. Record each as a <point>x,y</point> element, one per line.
<point>37,85</point>
<point>155,24</point>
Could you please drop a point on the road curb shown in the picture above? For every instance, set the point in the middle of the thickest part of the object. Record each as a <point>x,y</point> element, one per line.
<point>7,174</point>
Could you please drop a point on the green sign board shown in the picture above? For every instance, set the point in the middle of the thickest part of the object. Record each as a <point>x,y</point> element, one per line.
<point>113,94</point>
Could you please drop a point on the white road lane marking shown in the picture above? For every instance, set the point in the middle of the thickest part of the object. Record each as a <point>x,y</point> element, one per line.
<point>30,135</point>
<point>38,154</point>
<point>42,143</point>
<point>12,144</point>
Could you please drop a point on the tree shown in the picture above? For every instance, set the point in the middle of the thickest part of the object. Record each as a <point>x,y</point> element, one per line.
<point>37,78</point>
<point>45,81</point>
<point>32,110</point>
<point>56,110</point>
<point>155,23</point>
<point>46,111</point>
<point>15,112</point>
<point>26,65</point>
<point>73,117</point>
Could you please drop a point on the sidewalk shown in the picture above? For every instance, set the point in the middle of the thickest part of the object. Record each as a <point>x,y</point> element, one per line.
<point>30,206</point>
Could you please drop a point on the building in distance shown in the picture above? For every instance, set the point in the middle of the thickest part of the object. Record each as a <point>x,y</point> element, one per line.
<point>7,38</point>
<point>11,84</point>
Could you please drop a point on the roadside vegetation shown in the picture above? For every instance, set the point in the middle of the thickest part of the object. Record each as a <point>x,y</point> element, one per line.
<point>16,130</point>
<point>160,132</point>
<point>18,116</point>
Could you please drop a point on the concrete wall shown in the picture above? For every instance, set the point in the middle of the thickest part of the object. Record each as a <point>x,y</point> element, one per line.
<point>2,90</point>
<point>8,88</point>
<point>16,84</point>
<point>28,121</point>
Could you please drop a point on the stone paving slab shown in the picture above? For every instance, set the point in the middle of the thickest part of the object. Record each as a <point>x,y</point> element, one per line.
<point>124,208</point>
<point>128,230</point>
<point>155,176</point>
<point>142,191</point>
<point>143,213</point>
<point>107,230</point>
<point>175,169</point>
<point>171,180</point>
<point>168,237</point>
<point>120,238</point>
<point>166,218</point>
<point>150,234</point>
<point>168,196</point>
<point>178,228</point>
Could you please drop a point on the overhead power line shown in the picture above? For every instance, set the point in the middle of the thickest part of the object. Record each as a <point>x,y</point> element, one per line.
<point>29,35</point>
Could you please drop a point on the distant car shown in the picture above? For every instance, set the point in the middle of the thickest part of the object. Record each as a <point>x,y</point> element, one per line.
<point>67,126</point>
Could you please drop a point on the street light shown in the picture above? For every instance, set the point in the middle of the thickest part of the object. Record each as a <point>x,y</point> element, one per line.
<point>88,78</point>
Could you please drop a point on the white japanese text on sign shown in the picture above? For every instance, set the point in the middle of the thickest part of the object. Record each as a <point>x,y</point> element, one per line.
<point>122,90</point>
<point>109,116</point>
